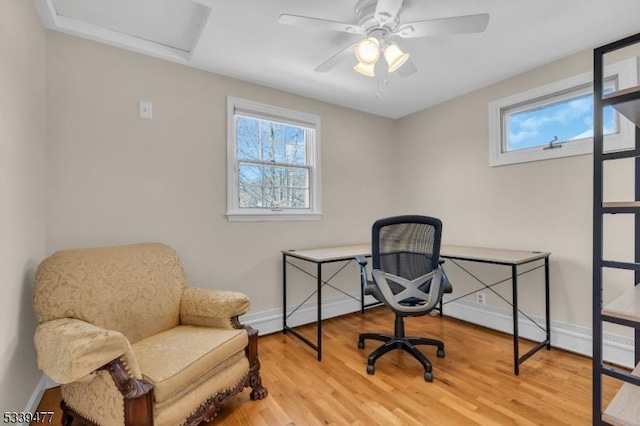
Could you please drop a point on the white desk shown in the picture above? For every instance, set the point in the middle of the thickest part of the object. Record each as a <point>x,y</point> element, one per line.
<point>512,258</point>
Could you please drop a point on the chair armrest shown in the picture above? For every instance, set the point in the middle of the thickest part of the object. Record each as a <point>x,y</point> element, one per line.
<point>70,349</point>
<point>362,261</point>
<point>212,308</point>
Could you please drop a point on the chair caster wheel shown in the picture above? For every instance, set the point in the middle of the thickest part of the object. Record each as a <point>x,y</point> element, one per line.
<point>371,369</point>
<point>440,353</point>
<point>360,344</point>
<point>428,376</point>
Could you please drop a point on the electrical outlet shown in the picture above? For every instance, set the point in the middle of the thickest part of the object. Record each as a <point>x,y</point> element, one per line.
<point>480,299</point>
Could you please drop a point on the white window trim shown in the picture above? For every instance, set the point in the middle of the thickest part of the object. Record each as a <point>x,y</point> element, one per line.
<point>234,213</point>
<point>624,140</point>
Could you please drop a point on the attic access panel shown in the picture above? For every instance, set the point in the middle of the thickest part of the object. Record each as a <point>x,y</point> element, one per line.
<point>173,23</point>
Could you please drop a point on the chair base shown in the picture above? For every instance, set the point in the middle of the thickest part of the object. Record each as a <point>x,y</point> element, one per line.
<point>400,341</point>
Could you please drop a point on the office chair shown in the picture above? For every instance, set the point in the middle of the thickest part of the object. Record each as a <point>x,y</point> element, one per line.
<point>408,278</point>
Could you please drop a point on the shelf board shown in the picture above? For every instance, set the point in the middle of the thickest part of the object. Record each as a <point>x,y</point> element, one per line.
<point>626,306</point>
<point>616,204</point>
<point>626,102</point>
<point>624,408</point>
<point>621,204</point>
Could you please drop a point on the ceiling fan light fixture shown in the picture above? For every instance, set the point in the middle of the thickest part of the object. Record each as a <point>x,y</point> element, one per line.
<point>395,57</point>
<point>365,69</point>
<point>368,51</point>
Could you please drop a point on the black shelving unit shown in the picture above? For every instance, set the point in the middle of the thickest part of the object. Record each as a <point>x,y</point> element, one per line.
<point>624,409</point>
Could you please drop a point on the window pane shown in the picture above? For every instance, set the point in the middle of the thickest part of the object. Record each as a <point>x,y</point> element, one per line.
<point>295,154</point>
<point>274,176</point>
<point>273,186</point>
<point>248,143</point>
<point>299,178</point>
<point>250,196</point>
<point>246,127</point>
<point>561,121</point>
<point>298,198</point>
<point>248,149</point>
<point>568,119</point>
<point>274,151</point>
<point>269,141</point>
<point>250,174</point>
<point>271,131</point>
<point>294,135</point>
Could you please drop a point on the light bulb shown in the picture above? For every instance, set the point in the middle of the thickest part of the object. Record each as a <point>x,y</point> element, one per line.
<point>368,51</point>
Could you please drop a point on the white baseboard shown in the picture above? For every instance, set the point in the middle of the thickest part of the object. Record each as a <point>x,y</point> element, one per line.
<point>270,321</point>
<point>44,384</point>
<point>617,349</point>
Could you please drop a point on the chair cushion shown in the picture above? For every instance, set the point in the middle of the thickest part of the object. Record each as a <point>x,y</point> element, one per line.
<point>175,358</point>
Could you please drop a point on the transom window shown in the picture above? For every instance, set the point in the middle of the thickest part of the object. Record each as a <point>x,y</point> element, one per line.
<point>552,120</point>
<point>557,120</point>
<point>273,163</point>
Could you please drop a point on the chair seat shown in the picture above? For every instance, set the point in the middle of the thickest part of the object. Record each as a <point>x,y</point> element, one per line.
<point>372,289</point>
<point>174,359</point>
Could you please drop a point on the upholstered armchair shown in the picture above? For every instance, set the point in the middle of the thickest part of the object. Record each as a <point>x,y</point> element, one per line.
<point>131,344</point>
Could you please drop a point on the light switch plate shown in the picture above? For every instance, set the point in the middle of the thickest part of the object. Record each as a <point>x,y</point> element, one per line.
<point>144,110</point>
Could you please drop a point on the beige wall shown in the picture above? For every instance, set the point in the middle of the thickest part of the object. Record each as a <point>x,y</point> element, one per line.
<point>22,144</point>
<point>442,168</point>
<point>116,179</point>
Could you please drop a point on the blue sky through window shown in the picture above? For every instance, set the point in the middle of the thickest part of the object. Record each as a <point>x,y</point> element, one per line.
<point>569,119</point>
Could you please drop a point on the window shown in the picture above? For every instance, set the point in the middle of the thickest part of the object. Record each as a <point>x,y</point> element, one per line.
<point>557,120</point>
<point>273,167</point>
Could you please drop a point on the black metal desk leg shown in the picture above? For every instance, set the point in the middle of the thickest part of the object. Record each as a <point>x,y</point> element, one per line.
<point>516,356</point>
<point>284,293</point>
<point>319,275</point>
<point>361,298</point>
<point>546,295</point>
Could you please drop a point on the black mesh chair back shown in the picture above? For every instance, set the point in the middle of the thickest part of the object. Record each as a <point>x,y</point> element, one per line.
<point>406,249</point>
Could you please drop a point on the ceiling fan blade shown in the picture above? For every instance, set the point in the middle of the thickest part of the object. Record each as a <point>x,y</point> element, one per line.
<point>387,10</point>
<point>323,24</point>
<point>444,26</point>
<point>407,69</point>
<point>331,63</point>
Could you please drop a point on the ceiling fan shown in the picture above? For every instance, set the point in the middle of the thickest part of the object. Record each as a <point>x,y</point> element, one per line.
<point>378,22</point>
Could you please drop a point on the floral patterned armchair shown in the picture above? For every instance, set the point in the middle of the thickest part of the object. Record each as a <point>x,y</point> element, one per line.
<point>131,344</point>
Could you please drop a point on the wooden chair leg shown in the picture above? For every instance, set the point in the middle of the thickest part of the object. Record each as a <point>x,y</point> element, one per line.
<point>66,419</point>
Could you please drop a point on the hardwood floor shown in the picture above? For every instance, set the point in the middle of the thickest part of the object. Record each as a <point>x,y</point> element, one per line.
<point>473,384</point>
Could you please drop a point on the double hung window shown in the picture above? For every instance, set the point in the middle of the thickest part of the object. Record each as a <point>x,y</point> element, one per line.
<point>273,163</point>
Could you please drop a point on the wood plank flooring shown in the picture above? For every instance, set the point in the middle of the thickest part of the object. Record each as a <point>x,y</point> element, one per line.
<point>473,385</point>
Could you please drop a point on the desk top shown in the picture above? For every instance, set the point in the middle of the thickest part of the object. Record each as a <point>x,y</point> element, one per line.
<point>491,255</point>
<point>478,254</point>
<point>330,254</point>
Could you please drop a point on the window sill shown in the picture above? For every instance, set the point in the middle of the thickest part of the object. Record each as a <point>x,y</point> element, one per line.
<point>272,217</point>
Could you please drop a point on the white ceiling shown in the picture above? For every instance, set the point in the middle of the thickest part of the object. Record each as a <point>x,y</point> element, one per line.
<point>242,39</point>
